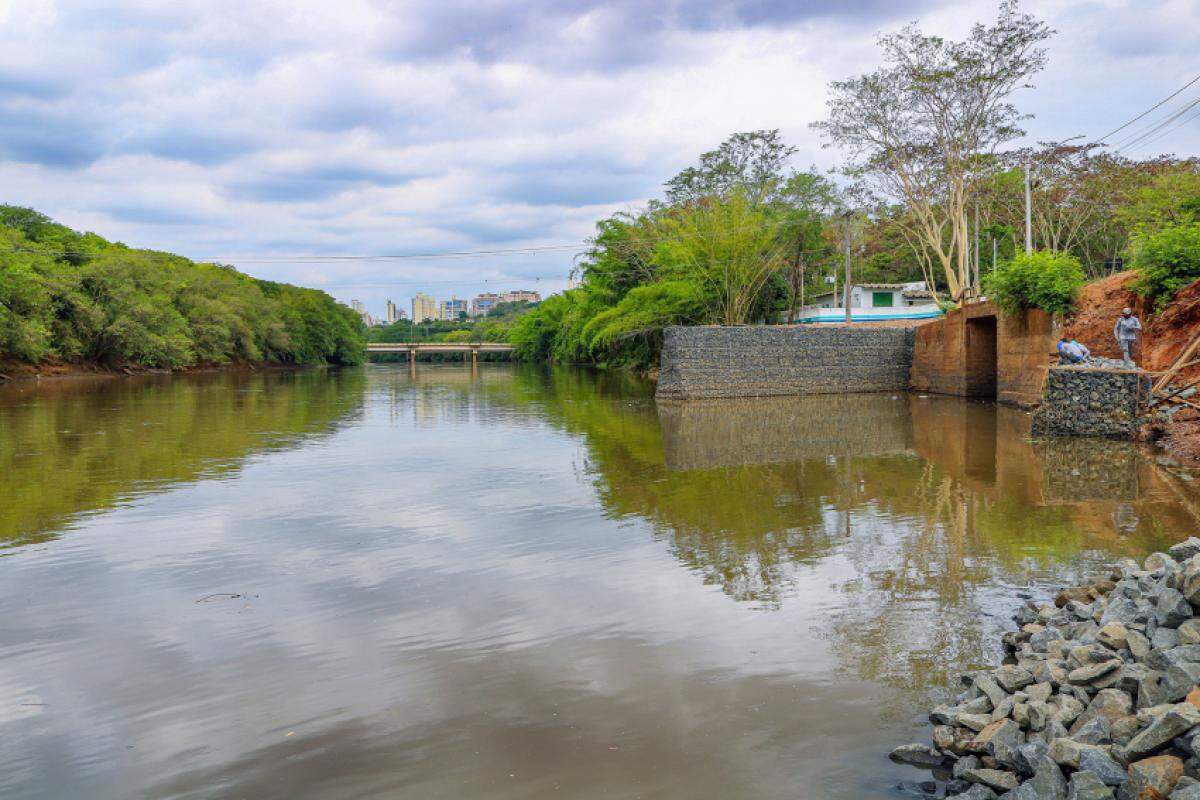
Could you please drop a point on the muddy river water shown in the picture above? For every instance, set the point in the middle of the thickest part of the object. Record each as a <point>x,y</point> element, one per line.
<point>517,582</point>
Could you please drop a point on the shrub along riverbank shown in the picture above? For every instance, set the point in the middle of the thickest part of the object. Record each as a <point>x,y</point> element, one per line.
<point>69,298</point>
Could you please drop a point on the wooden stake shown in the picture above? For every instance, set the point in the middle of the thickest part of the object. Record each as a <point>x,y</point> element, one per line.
<point>1178,363</point>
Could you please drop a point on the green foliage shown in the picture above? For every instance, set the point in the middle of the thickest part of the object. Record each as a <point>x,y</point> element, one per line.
<point>1045,280</point>
<point>509,310</point>
<point>722,248</point>
<point>1167,260</point>
<point>75,297</point>
<point>533,336</point>
<point>1171,197</point>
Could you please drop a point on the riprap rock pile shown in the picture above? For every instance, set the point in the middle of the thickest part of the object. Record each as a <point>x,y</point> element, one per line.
<point>1097,699</point>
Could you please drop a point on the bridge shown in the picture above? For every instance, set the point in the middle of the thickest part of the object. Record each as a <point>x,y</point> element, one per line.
<point>412,348</point>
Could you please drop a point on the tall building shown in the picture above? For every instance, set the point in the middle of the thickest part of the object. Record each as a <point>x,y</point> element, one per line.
<point>483,303</point>
<point>358,306</point>
<point>394,314</point>
<point>424,307</point>
<point>519,295</point>
<point>450,309</point>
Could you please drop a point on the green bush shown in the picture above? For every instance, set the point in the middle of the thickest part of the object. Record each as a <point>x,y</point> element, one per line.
<point>1046,280</point>
<point>1166,261</point>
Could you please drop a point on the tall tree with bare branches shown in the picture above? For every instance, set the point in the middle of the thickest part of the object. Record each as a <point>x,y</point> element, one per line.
<point>924,127</point>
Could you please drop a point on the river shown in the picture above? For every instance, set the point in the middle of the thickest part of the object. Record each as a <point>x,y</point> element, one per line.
<point>517,582</point>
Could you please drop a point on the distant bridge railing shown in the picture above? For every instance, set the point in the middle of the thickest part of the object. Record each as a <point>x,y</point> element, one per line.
<point>413,348</point>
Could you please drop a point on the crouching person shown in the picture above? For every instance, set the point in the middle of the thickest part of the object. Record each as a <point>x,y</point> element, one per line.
<point>1072,352</point>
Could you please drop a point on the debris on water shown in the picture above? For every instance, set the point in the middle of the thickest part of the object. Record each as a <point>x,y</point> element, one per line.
<point>209,598</point>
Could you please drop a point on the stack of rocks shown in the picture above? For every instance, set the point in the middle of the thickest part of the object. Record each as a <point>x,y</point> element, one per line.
<point>1097,699</point>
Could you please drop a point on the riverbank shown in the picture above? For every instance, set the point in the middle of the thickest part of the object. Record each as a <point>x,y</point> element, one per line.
<point>18,371</point>
<point>1097,697</point>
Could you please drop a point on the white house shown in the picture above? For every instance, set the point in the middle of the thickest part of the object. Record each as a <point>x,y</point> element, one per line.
<point>873,302</point>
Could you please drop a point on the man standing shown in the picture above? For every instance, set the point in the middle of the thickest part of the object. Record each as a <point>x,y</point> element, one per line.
<point>1127,331</point>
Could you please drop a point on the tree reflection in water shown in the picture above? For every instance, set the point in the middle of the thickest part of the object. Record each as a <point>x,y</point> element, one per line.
<point>74,446</point>
<point>933,514</point>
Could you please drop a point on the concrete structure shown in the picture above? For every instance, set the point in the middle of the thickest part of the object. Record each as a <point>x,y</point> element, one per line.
<point>870,302</point>
<point>520,295</point>
<point>976,352</point>
<point>424,307</point>
<point>483,303</point>
<point>759,361</point>
<point>1085,401</point>
<point>448,310</point>
<point>415,348</point>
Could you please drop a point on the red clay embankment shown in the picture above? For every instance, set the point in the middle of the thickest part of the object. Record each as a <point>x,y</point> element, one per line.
<point>1166,333</point>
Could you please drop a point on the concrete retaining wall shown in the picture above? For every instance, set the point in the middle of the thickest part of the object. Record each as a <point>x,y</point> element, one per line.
<point>760,361</point>
<point>977,352</point>
<point>1080,401</point>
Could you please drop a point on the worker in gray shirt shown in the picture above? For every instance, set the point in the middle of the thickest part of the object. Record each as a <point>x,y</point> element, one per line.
<point>1127,331</point>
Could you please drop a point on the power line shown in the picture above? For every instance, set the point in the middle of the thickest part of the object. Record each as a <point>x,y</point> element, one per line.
<point>1150,138</point>
<point>1148,110</point>
<point>1140,138</point>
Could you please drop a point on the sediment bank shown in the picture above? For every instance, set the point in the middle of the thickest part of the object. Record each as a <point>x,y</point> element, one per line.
<point>1097,697</point>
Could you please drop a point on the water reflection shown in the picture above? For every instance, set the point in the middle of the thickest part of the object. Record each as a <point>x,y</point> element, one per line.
<point>72,446</point>
<point>515,582</point>
<point>719,433</point>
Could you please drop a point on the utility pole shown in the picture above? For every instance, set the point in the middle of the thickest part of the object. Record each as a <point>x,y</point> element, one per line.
<point>1028,213</point>
<point>846,288</point>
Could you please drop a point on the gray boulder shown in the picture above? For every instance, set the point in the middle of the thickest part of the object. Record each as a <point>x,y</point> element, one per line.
<point>977,792</point>
<point>1103,766</point>
<point>1163,639</point>
<point>917,755</point>
<point>1184,550</point>
<point>1190,792</point>
<point>1172,608</point>
<point>996,779</point>
<point>1047,783</point>
<point>1175,721</point>
<point>1086,786</point>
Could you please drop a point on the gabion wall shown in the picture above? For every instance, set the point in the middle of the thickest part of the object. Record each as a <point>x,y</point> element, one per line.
<point>766,360</point>
<point>1083,401</point>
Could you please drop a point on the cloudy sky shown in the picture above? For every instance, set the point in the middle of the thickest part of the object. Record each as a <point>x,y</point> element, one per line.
<point>249,130</point>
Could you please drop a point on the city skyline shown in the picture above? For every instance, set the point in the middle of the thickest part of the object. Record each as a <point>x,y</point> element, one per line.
<point>427,306</point>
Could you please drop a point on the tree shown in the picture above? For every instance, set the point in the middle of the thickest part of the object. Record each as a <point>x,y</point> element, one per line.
<point>753,161</point>
<point>1167,260</point>
<point>922,129</point>
<point>75,297</point>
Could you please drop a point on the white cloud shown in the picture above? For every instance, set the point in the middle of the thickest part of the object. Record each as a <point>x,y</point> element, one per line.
<point>234,129</point>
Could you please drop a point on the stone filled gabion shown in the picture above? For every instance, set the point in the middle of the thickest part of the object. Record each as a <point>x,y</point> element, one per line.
<point>1088,401</point>
<point>710,361</point>
<point>1097,697</point>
